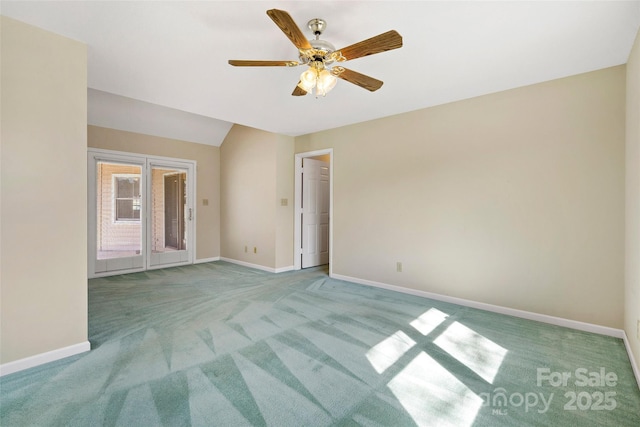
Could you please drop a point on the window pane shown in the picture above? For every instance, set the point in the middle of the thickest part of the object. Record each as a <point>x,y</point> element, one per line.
<point>125,210</point>
<point>127,198</point>
<point>127,187</point>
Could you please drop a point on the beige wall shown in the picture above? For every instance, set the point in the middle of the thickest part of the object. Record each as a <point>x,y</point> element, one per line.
<point>285,170</point>
<point>207,175</point>
<point>43,192</point>
<point>514,198</point>
<point>256,173</point>
<point>632,278</point>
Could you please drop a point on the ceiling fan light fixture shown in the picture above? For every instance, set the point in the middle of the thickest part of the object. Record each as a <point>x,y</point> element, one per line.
<point>326,82</point>
<point>308,79</point>
<point>319,78</point>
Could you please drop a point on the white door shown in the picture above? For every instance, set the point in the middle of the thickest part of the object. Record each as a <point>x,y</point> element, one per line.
<point>315,213</point>
<point>116,214</point>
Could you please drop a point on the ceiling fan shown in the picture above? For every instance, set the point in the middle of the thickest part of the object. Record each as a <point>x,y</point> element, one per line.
<point>319,55</point>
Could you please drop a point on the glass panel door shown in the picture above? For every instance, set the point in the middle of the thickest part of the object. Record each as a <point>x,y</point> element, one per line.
<point>171,214</point>
<point>118,221</point>
<point>141,212</point>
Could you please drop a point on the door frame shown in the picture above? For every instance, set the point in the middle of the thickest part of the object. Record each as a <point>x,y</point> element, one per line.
<point>146,162</point>
<point>297,200</point>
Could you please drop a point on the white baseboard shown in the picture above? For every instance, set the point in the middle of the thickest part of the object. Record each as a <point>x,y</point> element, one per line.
<point>634,365</point>
<point>203,260</point>
<point>248,264</point>
<point>257,266</point>
<point>42,358</point>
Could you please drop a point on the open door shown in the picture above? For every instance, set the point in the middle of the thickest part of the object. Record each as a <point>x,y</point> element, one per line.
<point>315,213</point>
<point>313,191</point>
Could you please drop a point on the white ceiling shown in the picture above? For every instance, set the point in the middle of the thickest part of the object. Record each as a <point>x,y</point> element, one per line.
<point>174,55</point>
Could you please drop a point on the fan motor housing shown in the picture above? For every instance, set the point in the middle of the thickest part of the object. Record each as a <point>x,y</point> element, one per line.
<point>322,45</point>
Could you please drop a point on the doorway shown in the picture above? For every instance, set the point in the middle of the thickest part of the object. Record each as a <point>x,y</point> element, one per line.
<point>141,212</point>
<point>170,213</point>
<point>313,209</point>
<point>175,199</point>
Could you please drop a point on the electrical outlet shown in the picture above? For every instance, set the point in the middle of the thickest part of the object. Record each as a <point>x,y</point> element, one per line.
<point>255,250</point>
<point>246,249</point>
<point>205,202</point>
<point>399,267</point>
<point>284,202</point>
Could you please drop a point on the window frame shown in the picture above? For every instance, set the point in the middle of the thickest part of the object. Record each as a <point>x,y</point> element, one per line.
<point>115,198</point>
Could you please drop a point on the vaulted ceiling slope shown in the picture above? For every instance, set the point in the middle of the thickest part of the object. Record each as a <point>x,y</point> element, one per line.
<point>174,55</point>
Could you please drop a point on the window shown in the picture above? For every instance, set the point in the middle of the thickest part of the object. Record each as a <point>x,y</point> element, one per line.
<point>126,197</point>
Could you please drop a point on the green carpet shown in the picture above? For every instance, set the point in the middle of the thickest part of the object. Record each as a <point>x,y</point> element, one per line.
<point>220,344</point>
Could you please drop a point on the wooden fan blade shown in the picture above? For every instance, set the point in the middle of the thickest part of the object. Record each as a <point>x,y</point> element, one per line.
<point>298,91</point>
<point>250,63</point>
<point>380,43</point>
<point>289,28</point>
<point>366,82</point>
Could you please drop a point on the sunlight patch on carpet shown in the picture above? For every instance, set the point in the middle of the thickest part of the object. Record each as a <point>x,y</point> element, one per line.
<point>480,354</point>
<point>387,352</point>
<point>428,321</point>
<point>434,396</point>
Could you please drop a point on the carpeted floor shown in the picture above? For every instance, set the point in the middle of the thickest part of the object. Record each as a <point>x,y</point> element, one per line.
<point>219,344</point>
